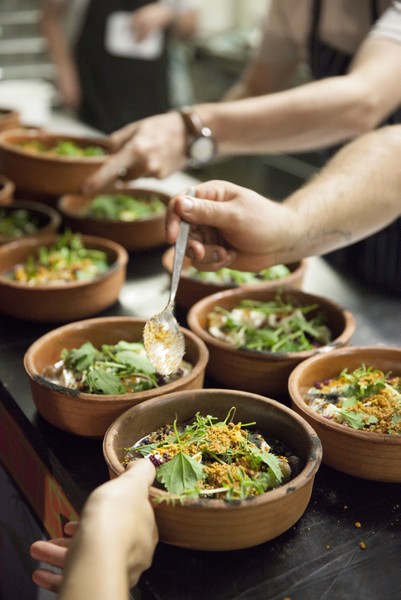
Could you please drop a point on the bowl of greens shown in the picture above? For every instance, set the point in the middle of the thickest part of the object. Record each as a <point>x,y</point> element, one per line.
<point>133,217</point>
<point>195,285</point>
<point>7,189</point>
<point>84,374</point>
<point>256,337</point>
<point>60,277</point>
<point>24,218</point>
<point>352,398</point>
<point>233,469</point>
<point>49,164</point>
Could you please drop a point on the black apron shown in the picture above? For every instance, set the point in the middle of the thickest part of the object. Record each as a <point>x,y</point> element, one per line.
<point>116,90</point>
<point>377,259</point>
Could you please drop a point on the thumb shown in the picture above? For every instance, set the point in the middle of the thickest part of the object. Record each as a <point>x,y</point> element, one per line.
<point>202,212</point>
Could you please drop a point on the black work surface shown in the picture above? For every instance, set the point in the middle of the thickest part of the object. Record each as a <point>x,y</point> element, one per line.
<point>321,556</point>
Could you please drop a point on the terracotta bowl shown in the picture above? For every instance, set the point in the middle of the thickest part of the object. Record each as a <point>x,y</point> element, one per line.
<point>375,456</point>
<point>212,524</point>
<point>142,234</point>
<point>48,219</point>
<point>262,373</point>
<point>64,302</point>
<point>9,119</point>
<point>53,176</point>
<point>91,414</point>
<point>191,290</point>
<point>7,189</point>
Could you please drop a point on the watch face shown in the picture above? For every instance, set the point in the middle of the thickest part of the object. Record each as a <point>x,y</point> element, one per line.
<point>202,149</point>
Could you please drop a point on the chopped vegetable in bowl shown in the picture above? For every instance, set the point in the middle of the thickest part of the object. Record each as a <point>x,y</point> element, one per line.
<point>112,369</point>
<point>274,326</point>
<point>365,399</point>
<point>232,277</point>
<point>16,223</point>
<point>67,260</point>
<point>208,458</point>
<point>122,207</point>
<point>62,148</point>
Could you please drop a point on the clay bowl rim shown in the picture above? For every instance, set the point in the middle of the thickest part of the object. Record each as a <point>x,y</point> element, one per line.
<point>307,473</point>
<point>240,293</point>
<point>124,189</point>
<point>34,242</point>
<point>107,398</point>
<point>297,400</point>
<point>35,134</point>
<point>44,209</point>
<point>299,271</point>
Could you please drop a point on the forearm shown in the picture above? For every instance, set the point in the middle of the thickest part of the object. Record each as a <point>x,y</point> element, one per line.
<point>82,579</point>
<point>355,195</point>
<point>315,115</point>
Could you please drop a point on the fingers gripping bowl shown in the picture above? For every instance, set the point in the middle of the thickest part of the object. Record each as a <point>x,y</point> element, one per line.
<point>89,413</point>
<point>215,524</point>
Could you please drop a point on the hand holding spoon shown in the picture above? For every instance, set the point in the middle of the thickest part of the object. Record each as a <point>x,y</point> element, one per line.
<point>164,342</point>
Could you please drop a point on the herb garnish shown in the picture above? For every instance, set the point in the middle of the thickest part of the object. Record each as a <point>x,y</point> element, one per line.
<point>365,399</point>
<point>64,261</point>
<point>275,326</point>
<point>209,458</point>
<point>233,277</point>
<point>113,369</point>
<point>121,207</point>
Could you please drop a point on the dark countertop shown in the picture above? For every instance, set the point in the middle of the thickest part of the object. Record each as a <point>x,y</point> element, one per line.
<point>320,556</point>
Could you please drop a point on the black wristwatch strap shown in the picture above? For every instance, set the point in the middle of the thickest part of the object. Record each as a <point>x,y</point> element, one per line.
<point>192,121</point>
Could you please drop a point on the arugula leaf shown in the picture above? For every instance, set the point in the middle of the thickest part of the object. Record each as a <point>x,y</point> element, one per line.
<point>104,383</point>
<point>354,419</point>
<point>180,474</point>
<point>80,358</point>
<point>269,459</point>
<point>135,361</point>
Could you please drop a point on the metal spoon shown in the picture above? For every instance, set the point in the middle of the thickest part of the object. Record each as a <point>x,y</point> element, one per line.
<point>164,342</point>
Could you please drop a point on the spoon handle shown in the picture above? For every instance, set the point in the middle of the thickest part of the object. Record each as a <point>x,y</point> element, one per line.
<point>179,253</point>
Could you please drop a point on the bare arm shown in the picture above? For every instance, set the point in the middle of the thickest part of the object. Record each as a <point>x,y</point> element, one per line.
<point>355,195</point>
<point>316,114</point>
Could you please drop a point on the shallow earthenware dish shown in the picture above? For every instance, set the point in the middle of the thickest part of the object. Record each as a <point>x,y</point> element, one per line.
<point>215,524</point>
<point>61,302</point>
<point>375,456</point>
<point>135,236</point>
<point>46,218</point>
<point>7,189</point>
<point>262,372</point>
<point>36,173</point>
<point>191,289</point>
<point>91,414</point>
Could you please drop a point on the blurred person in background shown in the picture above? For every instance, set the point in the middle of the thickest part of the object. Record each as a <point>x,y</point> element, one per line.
<point>112,56</point>
<point>353,50</point>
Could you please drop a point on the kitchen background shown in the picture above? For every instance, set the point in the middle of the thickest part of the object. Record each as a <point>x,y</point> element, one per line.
<point>218,54</point>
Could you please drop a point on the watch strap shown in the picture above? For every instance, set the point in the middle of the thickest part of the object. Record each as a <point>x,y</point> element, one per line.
<point>192,122</point>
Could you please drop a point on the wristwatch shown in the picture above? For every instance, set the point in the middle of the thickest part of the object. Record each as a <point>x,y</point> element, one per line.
<point>201,145</point>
